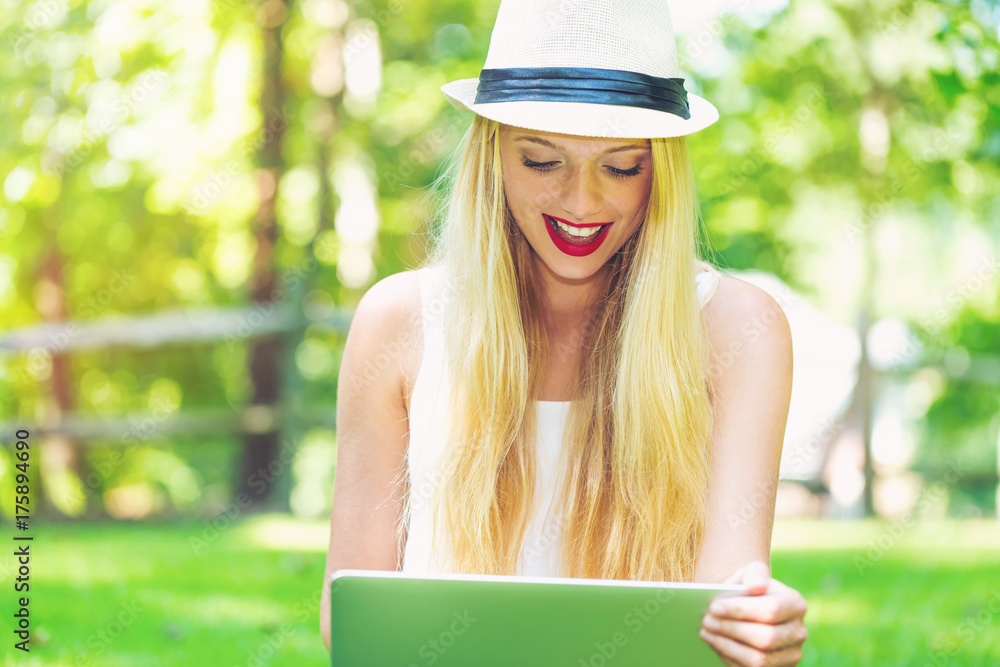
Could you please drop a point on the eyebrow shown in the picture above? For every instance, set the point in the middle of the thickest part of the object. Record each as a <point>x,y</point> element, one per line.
<point>616,149</point>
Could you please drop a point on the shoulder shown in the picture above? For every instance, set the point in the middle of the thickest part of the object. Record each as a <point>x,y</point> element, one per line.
<point>746,326</point>
<point>385,325</point>
<point>395,296</point>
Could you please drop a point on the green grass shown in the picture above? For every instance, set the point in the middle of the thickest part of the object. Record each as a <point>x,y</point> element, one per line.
<point>890,595</point>
<point>248,592</point>
<point>139,594</point>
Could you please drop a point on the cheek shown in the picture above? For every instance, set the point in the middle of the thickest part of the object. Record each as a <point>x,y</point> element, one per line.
<point>518,201</point>
<point>641,194</point>
<point>633,206</point>
<point>525,194</point>
<point>546,190</point>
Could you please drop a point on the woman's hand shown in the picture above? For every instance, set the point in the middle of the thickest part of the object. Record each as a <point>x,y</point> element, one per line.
<point>764,628</point>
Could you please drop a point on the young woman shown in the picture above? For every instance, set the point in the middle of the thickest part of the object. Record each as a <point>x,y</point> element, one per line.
<point>565,389</point>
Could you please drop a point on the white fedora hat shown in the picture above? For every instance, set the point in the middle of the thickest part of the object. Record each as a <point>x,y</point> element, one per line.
<point>600,68</point>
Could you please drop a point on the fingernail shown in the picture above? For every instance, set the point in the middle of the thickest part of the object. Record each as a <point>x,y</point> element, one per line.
<point>717,608</point>
<point>711,623</point>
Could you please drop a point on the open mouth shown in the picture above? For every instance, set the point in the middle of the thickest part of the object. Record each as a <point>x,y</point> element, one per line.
<point>576,235</point>
<point>576,240</point>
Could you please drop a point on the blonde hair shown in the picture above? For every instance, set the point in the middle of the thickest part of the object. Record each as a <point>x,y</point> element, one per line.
<point>635,451</point>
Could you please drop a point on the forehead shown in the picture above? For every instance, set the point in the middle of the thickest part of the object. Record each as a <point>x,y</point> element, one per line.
<point>571,143</point>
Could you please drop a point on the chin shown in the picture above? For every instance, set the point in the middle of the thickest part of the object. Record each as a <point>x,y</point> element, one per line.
<point>572,269</point>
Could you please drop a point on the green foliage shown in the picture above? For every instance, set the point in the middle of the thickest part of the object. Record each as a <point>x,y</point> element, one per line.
<point>130,186</point>
<point>964,420</point>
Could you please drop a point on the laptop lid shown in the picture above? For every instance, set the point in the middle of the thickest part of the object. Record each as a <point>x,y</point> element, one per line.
<point>393,619</point>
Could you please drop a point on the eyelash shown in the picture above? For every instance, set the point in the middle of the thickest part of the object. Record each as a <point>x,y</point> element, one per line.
<point>615,173</point>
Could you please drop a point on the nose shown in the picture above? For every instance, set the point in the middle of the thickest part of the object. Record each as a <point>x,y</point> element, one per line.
<point>581,196</point>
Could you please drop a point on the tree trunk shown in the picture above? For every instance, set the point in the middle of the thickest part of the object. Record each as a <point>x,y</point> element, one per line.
<point>261,465</point>
<point>59,453</point>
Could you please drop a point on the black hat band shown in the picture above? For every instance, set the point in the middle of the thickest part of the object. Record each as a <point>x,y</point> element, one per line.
<point>583,84</point>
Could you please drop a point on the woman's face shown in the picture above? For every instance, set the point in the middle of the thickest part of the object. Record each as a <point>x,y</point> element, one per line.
<point>585,183</point>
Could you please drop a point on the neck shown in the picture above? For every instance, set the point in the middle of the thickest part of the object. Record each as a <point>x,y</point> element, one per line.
<point>568,305</point>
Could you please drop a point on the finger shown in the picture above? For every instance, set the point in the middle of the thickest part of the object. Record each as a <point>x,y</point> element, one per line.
<point>756,577</point>
<point>782,589</point>
<point>708,638</point>
<point>736,577</point>
<point>748,655</point>
<point>771,608</point>
<point>763,636</point>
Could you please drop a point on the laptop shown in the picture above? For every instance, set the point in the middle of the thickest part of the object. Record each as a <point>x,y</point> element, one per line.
<point>385,618</point>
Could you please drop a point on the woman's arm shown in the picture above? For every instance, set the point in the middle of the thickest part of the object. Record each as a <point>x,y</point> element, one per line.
<point>372,435</point>
<point>752,370</point>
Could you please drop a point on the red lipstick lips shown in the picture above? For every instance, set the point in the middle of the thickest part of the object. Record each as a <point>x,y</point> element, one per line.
<point>572,245</point>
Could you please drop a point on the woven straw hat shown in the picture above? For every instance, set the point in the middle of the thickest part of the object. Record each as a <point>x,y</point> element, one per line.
<point>600,68</point>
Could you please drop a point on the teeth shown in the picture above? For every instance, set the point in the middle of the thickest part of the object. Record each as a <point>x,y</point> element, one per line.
<point>573,231</point>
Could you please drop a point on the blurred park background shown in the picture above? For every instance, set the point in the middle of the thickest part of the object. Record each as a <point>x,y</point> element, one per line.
<point>195,195</point>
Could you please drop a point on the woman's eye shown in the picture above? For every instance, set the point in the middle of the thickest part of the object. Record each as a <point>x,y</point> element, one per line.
<point>625,173</point>
<point>540,166</point>
<point>613,171</point>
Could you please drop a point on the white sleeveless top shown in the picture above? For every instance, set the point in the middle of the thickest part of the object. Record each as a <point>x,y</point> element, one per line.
<point>539,556</point>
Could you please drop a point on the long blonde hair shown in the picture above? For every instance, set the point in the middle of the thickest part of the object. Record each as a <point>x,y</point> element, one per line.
<point>635,451</point>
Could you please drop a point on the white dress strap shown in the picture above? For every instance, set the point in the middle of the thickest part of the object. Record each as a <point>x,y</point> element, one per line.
<point>707,281</point>
<point>428,411</point>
